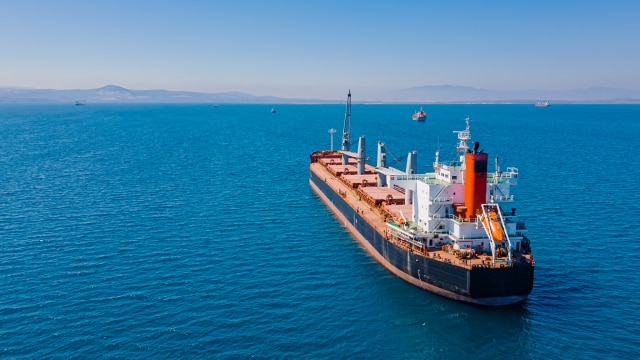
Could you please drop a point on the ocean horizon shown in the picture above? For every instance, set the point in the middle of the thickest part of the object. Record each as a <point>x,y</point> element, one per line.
<point>187,230</point>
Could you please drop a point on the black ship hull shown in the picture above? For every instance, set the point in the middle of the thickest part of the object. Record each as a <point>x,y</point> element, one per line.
<point>480,285</point>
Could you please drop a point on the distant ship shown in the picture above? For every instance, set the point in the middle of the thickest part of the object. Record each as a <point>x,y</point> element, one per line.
<point>542,104</point>
<point>80,102</point>
<point>273,110</point>
<point>420,115</point>
<point>452,231</point>
<point>215,105</point>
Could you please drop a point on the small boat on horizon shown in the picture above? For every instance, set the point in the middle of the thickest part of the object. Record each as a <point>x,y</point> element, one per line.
<point>420,115</point>
<point>80,102</point>
<point>273,110</point>
<point>542,104</point>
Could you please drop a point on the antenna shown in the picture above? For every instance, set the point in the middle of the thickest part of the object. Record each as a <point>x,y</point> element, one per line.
<point>463,136</point>
<point>332,131</point>
<point>436,164</point>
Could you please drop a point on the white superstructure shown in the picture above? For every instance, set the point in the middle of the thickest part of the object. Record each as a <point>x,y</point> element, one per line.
<point>460,206</point>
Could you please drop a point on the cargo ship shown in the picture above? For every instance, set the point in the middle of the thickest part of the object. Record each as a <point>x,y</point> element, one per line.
<point>420,115</point>
<point>452,231</point>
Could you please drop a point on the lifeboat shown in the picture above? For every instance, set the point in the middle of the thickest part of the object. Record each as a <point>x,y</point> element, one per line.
<point>492,224</point>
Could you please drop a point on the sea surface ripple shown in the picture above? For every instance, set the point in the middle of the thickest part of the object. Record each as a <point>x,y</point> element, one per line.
<point>166,231</point>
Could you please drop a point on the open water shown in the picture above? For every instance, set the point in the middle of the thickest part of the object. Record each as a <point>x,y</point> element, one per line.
<point>188,231</point>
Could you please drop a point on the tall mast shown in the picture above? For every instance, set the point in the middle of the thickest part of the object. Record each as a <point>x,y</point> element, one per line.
<point>463,137</point>
<point>346,130</point>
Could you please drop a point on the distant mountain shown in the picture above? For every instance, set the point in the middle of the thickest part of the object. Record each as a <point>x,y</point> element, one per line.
<point>461,94</point>
<point>118,94</point>
<point>420,95</point>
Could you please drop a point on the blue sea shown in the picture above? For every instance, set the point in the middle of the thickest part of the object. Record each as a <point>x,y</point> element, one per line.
<point>163,231</point>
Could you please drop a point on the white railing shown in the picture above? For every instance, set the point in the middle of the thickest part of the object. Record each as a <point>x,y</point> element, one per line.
<point>410,177</point>
<point>503,198</point>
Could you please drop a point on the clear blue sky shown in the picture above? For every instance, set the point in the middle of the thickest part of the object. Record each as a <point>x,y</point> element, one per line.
<point>319,48</point>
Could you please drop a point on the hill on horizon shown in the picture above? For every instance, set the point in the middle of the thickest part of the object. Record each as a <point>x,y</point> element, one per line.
<point>118,94</point>
<point>415,95</point>
<point>460,94</point>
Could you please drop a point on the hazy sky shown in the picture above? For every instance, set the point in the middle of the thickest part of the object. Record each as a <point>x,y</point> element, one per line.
<point>319,48</point>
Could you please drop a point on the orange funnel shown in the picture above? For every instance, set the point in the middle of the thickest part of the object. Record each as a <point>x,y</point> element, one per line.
<point>475,183</point>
